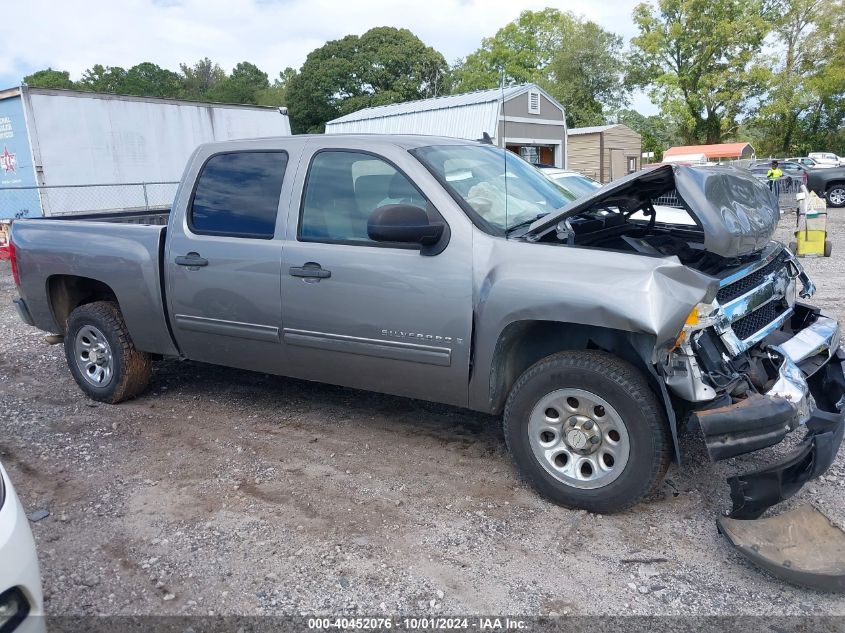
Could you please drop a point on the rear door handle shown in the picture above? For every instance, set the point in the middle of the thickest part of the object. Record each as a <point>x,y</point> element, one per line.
<point>310,270</point>
<point>191,260</point>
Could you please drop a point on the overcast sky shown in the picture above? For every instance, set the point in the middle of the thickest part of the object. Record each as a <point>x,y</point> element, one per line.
<point>272,34</point>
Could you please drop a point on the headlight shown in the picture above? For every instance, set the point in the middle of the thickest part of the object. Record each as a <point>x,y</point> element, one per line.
<point>702,316</point>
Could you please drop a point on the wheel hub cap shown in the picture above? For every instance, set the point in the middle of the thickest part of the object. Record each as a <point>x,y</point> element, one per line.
<point>93,356</point>
<point>579,438</point>
<point>583,435</point>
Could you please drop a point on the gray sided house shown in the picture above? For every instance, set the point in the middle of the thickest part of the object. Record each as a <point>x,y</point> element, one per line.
<point>604,152</point>
<point>525,119</point>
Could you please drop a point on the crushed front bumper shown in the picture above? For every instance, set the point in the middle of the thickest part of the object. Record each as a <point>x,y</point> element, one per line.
<point>809,391</point>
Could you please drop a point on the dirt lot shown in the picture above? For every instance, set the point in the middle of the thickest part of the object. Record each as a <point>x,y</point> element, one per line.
<point>232,492</point>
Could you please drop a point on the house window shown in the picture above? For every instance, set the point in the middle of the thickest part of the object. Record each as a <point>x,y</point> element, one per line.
<point>533,102</point>
<point>632,164</point>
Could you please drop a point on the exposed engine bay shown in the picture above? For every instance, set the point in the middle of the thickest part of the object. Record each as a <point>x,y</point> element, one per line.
<point>712,219</point>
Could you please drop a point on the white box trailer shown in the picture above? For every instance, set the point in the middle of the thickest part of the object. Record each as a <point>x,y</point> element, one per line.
<point>88,151</point>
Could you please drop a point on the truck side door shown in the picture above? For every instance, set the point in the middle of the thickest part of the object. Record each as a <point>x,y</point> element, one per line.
<point>223,261</point>
<point>370,315</point>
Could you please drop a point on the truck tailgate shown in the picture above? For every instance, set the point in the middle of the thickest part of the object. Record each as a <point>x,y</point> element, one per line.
<point>125,257</point>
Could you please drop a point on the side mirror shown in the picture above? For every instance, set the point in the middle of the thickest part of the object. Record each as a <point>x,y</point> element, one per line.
<point>403,223</point>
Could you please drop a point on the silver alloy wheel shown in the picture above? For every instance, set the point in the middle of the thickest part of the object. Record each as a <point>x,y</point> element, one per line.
<point>93,356</point>
<point>837,196</point>
<point>579,438</point>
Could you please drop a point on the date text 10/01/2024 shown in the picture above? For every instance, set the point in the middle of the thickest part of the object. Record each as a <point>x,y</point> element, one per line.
<point>422,623</point>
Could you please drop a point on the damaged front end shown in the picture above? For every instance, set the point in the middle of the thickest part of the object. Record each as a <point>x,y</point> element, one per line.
<point>760,366</point>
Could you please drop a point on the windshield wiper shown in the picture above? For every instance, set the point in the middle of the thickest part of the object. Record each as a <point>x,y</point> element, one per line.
<point>527,222</point>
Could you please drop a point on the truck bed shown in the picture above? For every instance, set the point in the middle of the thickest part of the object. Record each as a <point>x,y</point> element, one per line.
<point>123,251</point>
<point>153,217</point>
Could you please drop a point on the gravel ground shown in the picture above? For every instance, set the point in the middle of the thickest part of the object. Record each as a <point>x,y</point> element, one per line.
<point>233,492</point>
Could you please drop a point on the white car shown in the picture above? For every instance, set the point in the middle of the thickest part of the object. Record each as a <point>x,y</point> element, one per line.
<point>21,601</point>
<point>577,184</point>
<point>826,159</point>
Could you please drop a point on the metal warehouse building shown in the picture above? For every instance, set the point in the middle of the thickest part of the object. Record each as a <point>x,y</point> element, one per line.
<point>605,152</point>
<point>88,151</point>
<point>525,119</point>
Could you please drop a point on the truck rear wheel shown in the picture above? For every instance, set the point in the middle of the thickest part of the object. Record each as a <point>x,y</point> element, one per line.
<point>101,355</point>
<point>585,431</point>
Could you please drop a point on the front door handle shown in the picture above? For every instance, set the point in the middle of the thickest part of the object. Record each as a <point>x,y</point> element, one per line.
<point>191,260</point>
<point>310,270</point>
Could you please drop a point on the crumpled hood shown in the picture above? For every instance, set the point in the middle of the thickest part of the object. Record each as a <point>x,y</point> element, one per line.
<point>737,212</point>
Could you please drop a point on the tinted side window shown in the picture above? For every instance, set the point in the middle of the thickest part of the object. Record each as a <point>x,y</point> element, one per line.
<point>343,188</point>
<point>237,194</point>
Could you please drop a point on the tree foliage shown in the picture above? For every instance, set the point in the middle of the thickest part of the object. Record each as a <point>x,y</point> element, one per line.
<point>574,59</point>
<point>384,65</point>
<point>242,86</point>
<point>694,57</point>
<point>803,104</point>
<point>277,93</point>
<point>101,78</point>
<point>771,72</point>
<point>49,78</point>
<point>201,79</point>
<point>150,80</point>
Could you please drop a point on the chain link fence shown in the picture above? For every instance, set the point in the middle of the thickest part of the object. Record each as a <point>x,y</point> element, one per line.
<point>60,200</point>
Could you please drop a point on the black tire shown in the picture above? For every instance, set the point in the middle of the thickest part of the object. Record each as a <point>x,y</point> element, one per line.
<point>828,248</point>
<point>836,191</point>
<point>626,390</point>
<point>130,369</point>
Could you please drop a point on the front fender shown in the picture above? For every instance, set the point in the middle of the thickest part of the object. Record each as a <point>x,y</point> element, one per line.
<point>520,281</point>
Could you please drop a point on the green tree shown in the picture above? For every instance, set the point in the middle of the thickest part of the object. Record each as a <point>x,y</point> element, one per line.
<point>149,80</point>
<point>803,101</point>
<point>574,59</point>
<point>384,65</point>
<point>277,93</point>
<point>242,86</point>
<point>585,74</point>
<point>519,52</point>
<point>695,58</point>
<point>201,78</point>
<point>49,78</point>
<point>101,78</point>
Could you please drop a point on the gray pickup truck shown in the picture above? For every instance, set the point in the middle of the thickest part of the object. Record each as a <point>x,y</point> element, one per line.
<point>454,272</point>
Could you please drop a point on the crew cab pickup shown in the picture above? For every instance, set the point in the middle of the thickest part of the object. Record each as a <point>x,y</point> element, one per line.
<point>453,271</point>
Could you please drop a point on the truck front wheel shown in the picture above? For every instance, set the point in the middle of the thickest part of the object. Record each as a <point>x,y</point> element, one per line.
<point>101,355</point>
<point>585,431</point>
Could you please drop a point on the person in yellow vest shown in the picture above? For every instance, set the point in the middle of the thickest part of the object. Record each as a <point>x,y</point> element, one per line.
<point>774,175</point>
<point>775,172</point>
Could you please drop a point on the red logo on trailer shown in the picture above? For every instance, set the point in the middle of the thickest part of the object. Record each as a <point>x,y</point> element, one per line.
<point>8,161</point>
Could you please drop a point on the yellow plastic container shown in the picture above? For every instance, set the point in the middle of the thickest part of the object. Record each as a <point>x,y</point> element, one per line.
<point>811,236</point>
<point>810,242</point>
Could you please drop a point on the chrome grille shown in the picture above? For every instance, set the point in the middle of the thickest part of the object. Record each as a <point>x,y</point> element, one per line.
<point>752,280</point>
<point>753,306</point>
<point>752,323</point>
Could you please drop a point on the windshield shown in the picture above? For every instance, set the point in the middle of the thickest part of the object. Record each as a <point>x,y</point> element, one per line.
<point>579,186</point>
<point>475,176</point>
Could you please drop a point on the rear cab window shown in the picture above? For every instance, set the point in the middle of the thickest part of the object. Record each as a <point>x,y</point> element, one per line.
<point>237,194</point>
